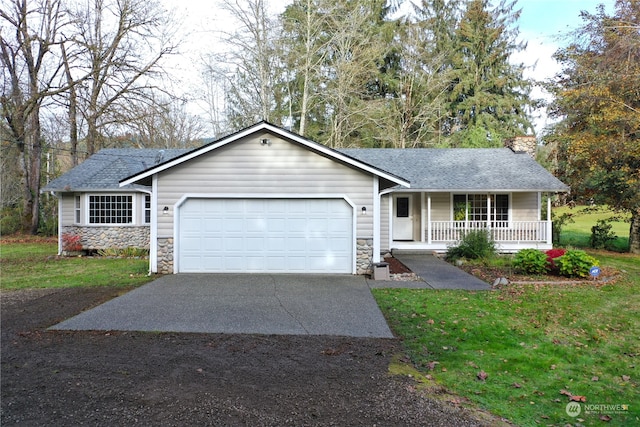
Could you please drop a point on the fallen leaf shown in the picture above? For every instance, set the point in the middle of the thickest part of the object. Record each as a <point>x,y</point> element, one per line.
<point>517,385</point>
<point>626,378</point>
<point>432,365</point>
<point>482,375</point>
<point>578,398</point>
<point>553,367</point>
<point>444,369</point>
<point>605,418</point>
<point>566,393</point>
<point>595,378</point>
<point>431,321</point>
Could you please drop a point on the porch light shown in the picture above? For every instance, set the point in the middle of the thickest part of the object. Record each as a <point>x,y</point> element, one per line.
<point>165,210</point>
<point>364,210</point>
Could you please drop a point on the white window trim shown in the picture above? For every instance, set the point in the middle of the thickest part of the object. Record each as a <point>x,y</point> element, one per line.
<point>122,224</point>
<point>77,209</point>
<point>467,194</point>
<point>145,209</point>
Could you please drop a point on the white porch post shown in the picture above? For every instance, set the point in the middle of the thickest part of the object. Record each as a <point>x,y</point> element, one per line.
<point>153,232</point>
<point>423,218</point>
<point>549,222</point>
<point>429,218</point>
<point>488,211</point>
<point>376,220</point>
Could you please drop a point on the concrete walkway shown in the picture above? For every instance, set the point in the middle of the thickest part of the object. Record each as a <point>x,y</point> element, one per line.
<point>439,274</point>
<point>292,304</point>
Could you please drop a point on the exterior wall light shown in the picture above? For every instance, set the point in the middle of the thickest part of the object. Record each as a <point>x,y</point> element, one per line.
<point>165,210</point>
<point>364,210</point>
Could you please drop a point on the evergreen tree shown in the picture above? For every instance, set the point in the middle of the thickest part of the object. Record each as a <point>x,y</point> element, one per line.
<point>489,97</point>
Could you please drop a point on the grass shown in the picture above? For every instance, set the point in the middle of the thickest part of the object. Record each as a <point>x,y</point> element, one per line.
<point>34,264</point>
<point>537,344</point>
<point>578,232</point>
<point>531,341</point>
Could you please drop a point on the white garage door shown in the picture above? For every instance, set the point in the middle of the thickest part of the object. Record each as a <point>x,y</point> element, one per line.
<point>266,235</point>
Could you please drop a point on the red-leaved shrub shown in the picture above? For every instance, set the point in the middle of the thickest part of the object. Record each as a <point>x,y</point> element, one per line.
<point>71,242</point>
<point>553,254</point>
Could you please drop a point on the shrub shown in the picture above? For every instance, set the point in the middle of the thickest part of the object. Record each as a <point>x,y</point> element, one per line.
<point>531,261</point>
<point>601,234</point>
<point>475,244</point>
<point>71,242</point>
<point>552,254</point>
<point>575,263</point>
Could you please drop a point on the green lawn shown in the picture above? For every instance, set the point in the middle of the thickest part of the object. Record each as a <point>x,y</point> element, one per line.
<point>578,232</point>
<point>537,344</point>
<point>34,264</point>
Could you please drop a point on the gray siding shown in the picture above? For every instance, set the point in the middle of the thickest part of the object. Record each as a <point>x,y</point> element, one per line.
<point>524,206</point>
<point>67,202</point>
<point>440,207</point>
<point>248,167</point>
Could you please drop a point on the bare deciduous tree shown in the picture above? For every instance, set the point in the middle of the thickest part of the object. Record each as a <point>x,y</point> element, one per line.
<point>29,37</point>
<point>120,44</point>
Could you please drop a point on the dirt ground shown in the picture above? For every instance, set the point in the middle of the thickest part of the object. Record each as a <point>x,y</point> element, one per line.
<point>170,379</point>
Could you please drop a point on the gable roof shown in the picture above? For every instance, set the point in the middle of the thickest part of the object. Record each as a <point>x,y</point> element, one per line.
<point>472,169</point>
<point>285,134</point>
<point>105,169</point>
<point>446,169</point>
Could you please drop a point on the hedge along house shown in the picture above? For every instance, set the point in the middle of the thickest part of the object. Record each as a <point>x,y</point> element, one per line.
<point>267,200</point>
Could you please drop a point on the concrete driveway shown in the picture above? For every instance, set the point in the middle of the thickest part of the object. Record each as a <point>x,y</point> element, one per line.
<point>242,303</point>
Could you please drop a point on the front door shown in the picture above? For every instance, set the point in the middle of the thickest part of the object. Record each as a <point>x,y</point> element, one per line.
<point>402,219</point>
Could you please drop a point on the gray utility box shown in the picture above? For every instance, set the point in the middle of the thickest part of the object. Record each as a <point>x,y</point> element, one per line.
<point>381,271</point>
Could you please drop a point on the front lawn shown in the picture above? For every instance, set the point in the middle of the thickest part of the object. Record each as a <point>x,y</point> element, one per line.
<point>523,351</point>
<point>33,263</point>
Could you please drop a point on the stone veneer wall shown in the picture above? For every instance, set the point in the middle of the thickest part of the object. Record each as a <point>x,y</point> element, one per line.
<point>364,256</point>
<point>110,237</point>
<point>165,256</point>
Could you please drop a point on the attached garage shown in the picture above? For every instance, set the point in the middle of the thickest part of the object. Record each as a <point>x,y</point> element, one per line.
<point>265,235</point>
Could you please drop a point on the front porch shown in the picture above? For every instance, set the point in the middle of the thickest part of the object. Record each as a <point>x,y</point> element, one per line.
<point>424,221</point>
<point>509,237</point>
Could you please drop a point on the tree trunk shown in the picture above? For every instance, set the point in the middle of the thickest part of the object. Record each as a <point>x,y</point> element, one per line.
<point>35,173</point>
<point>634,232</point>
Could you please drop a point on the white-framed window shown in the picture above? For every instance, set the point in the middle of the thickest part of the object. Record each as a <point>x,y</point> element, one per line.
<point>77,209</point>
<point>482,208</point>
<point>110,209</point>
<point>147,208</point>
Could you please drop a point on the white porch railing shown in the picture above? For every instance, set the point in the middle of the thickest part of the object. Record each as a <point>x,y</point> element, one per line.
<point>501,231</point>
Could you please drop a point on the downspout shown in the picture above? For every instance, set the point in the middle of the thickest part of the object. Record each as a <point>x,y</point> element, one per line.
<point>57,196</point>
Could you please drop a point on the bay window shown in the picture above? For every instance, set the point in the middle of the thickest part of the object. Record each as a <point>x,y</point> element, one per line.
<point>110,209</point>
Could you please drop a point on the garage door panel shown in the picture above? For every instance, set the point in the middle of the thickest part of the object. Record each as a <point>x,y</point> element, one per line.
<point>266,235</point>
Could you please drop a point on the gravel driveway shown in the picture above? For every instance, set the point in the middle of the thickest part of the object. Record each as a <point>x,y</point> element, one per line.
<point>174,379</point>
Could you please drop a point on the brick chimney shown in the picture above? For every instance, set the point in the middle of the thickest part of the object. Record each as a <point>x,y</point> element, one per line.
<point>522,144</point>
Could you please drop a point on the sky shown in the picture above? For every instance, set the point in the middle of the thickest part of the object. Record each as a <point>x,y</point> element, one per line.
<point>542,25</point>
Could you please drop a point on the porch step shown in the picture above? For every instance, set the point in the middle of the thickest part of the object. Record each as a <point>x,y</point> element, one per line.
<point>395,252</point>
